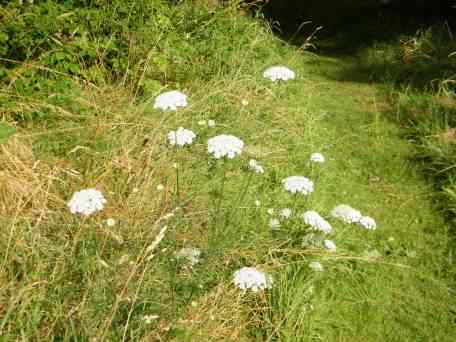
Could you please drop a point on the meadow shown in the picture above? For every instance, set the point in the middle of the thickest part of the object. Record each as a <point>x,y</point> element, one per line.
<point>157,260</point>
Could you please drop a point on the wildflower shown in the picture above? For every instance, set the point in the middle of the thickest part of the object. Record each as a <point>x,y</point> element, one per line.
<point>202,122</point>
<point>181,137</point>
<point>274,223</point>
<point>279,73</point>
<point>346,213</point>
<point>170,100</point>
<point>368,222</point>
<point>225,146</point>
<point>148,319</point>
<point>244,102</point>
<point>86,202</point>
<point>313,219</point>
<point>270,211</point>
<point>249,278</point>
<point>110,222</point>
<point>286,213</point>
<point>300,184</point>
<point>330,245</point>
<point>255,167</point>
<point>257,203</point>
<point>160,187</point>
<point>190,254</point>
<point>210,123</point>
<point>317,158</point>
<point>316,266</point>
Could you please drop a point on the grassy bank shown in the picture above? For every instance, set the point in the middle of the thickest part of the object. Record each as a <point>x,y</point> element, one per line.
<point>69,277</point>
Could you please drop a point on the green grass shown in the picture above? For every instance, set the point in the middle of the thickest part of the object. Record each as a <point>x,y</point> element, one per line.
<point>64,277</point>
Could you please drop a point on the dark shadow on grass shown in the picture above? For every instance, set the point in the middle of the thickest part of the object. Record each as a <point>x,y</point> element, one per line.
<point>387,43</point>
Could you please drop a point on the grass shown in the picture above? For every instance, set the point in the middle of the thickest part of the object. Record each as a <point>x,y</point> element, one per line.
<point>65,277</point>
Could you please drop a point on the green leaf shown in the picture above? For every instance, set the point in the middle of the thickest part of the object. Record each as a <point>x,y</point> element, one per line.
<point>5,132</point>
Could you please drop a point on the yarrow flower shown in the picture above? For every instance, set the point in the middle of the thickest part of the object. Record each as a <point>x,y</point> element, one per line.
<point>190,254</point>
<point>170,100</point>
<point>210,123</point>
<point>316,266</point>
<point>225,145</point>
<point>317,158</point>
<point>279,73</point>
<point>286,213</point>
<point>330,246</point>
<point>86,202</point>
<point>346,213</point>
<point>181,137</point>
<point>255,167</point>
<point>300,184</point>
<point>249,278</point>
<point>368,222</point>
<point>313,219</point>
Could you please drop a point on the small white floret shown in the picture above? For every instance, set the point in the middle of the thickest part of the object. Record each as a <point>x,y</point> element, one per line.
<point>255,167</point>
<point>286,213</point>
<point>181,137</point>
<point>170,100</point>
<point>86,202</point>
<point>110,222</point>
<point>346,213</point>
<point>317,158</point>
<point>257,203</point>
<point>316,266</point>
<point>279,73</point>
<point>225,145</point>
<point>368,222</point>
<point>211,123</point>
<point>300,184</point>
<point>330,246</point>
<point>274,223</point>
<point>160,187</point>
<point>313,219</point>
<point>190,254</point>
<point>270,211</point>
<point>249,278</point>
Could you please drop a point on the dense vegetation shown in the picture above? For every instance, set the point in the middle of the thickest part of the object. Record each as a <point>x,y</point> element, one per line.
<point>77,84</point>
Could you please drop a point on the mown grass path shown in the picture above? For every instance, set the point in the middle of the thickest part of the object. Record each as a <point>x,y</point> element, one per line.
<point>387,285</point>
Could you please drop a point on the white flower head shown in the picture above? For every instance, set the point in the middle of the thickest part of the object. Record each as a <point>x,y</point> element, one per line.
<point>244,102</point>
<point>249,278</point>
<point>316,266</point>
<point>299,184</point>
<point>286,213</point>
<point>160,187</point>
<point>202,122</point>
<point>255,167</point>
<point>210,123</point>
<point>257,203</point>
<point>86,202</point>
<point>148,319</point>
<point>317,158</point>
<point>313,219</point>
<point>170,100</point>
<point>110,222</point>
<point>190,254</point>
<point>330,246</point>
<point>270,211</point>
<point>225,145</point>
<point>346,213</point>
<point>181,137</point>
<point>279,73</point>
<point>368,222</point>
<point>274,223</point>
